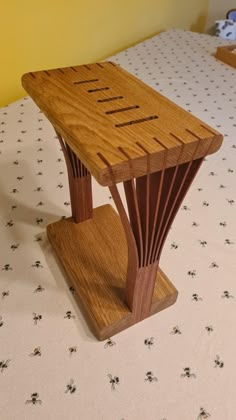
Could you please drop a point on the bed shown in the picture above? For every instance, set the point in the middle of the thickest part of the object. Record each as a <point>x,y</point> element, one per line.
<point>178,364</point>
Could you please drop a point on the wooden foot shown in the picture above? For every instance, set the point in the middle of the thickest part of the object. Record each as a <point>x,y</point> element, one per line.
<point>94,255</point>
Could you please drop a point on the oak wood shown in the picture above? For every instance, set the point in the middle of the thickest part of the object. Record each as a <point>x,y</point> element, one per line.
<point>226,54</point>
<point>105,114</point>
<point>96,265</point>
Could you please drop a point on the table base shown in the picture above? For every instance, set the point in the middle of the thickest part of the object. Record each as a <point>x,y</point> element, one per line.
<point>94,255</point>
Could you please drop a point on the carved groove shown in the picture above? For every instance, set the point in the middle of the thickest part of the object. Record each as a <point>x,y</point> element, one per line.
<point>98,89</point>
<point>80,82</point>
<point>128,108</point>
<point>141,120</point>
<point>114,98</point>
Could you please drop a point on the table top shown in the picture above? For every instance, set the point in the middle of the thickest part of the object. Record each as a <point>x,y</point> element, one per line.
<point>119,127</point>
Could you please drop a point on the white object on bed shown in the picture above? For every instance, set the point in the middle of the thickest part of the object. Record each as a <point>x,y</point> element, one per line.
<point>226,29</point>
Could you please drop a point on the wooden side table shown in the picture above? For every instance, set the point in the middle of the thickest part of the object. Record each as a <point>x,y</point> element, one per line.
<point>114,127</point>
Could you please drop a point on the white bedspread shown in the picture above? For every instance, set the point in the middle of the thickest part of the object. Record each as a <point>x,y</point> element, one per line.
<point>190,347</point>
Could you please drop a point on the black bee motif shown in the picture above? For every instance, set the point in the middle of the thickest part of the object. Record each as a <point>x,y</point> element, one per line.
<point>5,294</point>
<point>196,297</point>
<point>212,174</point>
<point>69,315</point>
<point>61,172</point>
<point>39,173</point>
<point>14,246</point>
<point>192,273</point>
<point>195,224</point>
<point>175,330</point>
<point>174,245</point>
<point>231,202</point>
<point>39,289</point>
<point>40,203</point>
<point>222,186</point>
<point>150,377</point>
<point>60,185</point>
<point>36,352</point>
<point>214,265</point>
<point>38,239</point>
<point>39,161</point>
<point>203,414</point>
<point>226,295</point>
<point>10,223</point>
<point>38,189</point>
<point>40,149</point>
<point>1,322</point>
<point>34,399</point>
<point>185,208</point>
<point>203,243</point>
<point>205,203</point>
<point>36,318</point>
<point>13,207</point>
<point>7,267</point>
<point>14,191</point>
<point>218,363</point>
<point>19,178</point>
<point>113,381</point>
<point>228,242</point>
<point>230,170</point>
<point>66,203</point>
<point>39,220</point>
<point>72,289</point>
<point>109,343</point>
<point>187,373</point>
<point>71,387</point>
<point>39,139</point>
<point>223,224</point>
<point>37,264</point>
<point>59,160</point>
<point>149,342</point>
<point>4,364</point>
<point>72,350</point>
<point>209,328</point>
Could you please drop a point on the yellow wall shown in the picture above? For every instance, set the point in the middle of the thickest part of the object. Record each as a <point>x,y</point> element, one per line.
<point>55,33</point>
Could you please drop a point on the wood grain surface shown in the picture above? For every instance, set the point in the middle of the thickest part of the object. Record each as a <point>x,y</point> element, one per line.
<point>108,117</point>
<point>226,54</point>
<point>96,264</point>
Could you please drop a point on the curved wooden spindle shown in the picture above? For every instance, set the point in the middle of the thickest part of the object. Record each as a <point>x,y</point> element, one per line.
<point>80,184</point>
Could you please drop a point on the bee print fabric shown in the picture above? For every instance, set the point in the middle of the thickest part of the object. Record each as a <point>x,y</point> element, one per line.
<point>178,364</point>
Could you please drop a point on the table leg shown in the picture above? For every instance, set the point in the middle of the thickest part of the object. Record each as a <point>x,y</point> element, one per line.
<point>153,201</point>
<point>80,184</point>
